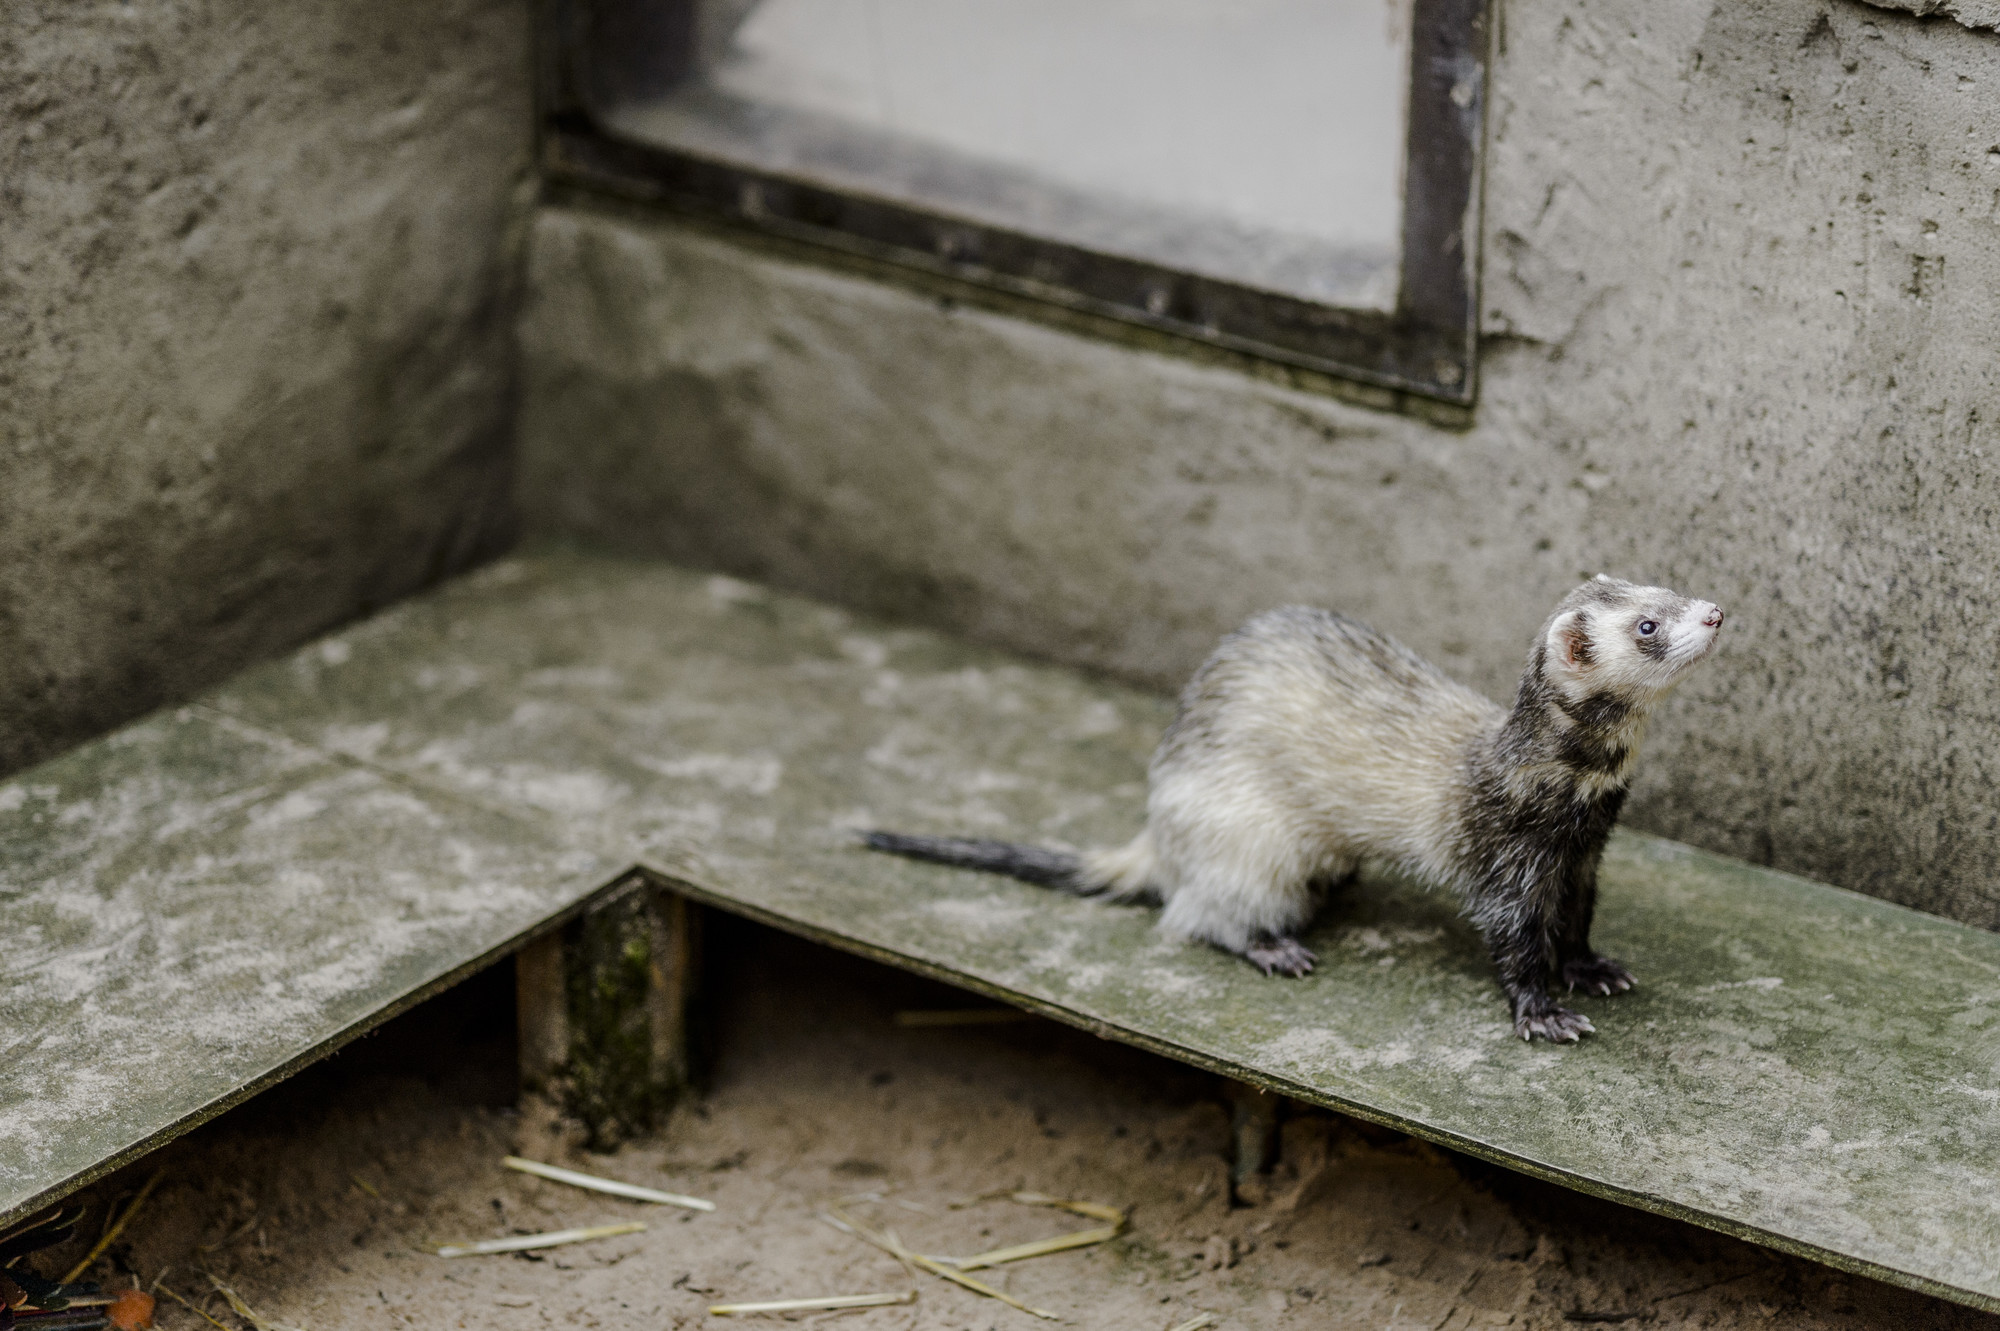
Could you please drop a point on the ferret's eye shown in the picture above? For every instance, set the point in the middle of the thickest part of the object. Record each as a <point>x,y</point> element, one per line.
<point>1647,628</point>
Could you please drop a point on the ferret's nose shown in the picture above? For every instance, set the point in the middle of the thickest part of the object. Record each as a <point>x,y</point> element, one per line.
<point>1713,618</point>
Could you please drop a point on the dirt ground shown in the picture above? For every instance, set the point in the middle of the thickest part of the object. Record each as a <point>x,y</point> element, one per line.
<point>318,1200</point>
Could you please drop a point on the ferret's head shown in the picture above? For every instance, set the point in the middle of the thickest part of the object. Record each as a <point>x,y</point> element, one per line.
<point>1613,639</point>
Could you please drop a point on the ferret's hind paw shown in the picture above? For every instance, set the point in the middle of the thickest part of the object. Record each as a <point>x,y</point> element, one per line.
<point>1280,956</point>
<point>1597,975</point>
<point>1556,1024</point>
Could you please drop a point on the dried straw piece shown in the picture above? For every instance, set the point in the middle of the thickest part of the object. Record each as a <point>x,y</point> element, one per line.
<point>982,1197</point>
<point>832,1301</point>
<point>1081,1238</point>
<point>1078,1238</point>
<point>191,1308</point>
<point>529,1242</point>
<point>117,1228</point>
<point>902,1250</point>
<point>877,1196</point>
<point>847,1224</point>
<point>975,1016</point>
<point>1199,1322</point>
<point>227,1239</point>
<point>243,1309</point>
<point>612,1186</point>
<point>1095,1210</point>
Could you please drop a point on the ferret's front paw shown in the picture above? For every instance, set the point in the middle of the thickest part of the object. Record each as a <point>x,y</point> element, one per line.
<point>1280,956</point>
<point>1597,975</point>
<point>1553,1023</point>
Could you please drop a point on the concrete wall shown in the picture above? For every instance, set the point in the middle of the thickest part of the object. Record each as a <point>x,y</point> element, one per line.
<point>1743,298</point>
<point>256,284</point>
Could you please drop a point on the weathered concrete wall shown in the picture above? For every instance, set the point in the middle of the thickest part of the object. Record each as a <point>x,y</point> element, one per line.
<point>255,309</point>
<point>1743,262</point>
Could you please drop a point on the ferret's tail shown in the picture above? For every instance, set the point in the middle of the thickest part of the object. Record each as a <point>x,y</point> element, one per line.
<point>1122,875</point>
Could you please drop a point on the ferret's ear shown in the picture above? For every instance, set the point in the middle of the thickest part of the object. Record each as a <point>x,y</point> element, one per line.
<point>1603,577</point>
<point>1569,642</point>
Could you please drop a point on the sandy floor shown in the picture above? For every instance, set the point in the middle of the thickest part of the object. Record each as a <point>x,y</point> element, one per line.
<point>317,1200</point>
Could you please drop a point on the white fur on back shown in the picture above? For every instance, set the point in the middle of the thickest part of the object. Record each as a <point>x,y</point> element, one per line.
<point>1307,743</point>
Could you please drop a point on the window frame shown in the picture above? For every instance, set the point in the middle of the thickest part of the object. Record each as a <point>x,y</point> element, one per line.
<point>597,53</point>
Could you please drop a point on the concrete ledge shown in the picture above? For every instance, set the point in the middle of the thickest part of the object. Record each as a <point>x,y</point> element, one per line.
<point>194,908</point>
<point>1802,1066</point>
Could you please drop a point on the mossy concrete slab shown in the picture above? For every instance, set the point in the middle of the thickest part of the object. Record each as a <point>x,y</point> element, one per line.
<point>192,908</point>
<point>1802,1066</point>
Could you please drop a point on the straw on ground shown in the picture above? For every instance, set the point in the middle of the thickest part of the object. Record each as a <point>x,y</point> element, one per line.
<point>1095,1210</point>
<point>191,1308</point>
<point>529,1242</point>
<point>1077,1238</point>
<point>612,1186</point>
<point>1080,1238</point>
<point>243,1309</point>
<point>117,1227</point>
<point>847,1224</point>
<point>828,1303</point>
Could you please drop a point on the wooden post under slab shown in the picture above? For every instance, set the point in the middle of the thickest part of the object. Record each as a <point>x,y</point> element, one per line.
<point>675,957</point>
<point>602,1010</point>
<point>1254,1136</point>
<point>541,1011</point>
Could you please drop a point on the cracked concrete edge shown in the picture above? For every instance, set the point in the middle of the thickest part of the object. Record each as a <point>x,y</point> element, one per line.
<point>1975,14</point>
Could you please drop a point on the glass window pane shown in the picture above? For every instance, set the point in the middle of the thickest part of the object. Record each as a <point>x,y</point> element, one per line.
<point>1258,141</point>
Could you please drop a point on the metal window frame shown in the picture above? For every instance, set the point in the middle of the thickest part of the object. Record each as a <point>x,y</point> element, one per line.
<point>600,53</point>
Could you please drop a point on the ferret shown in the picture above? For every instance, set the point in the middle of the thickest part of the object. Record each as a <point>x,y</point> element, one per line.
<point>1308,742</point>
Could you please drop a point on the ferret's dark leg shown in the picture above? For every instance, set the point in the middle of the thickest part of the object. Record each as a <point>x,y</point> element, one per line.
<point>1523,948</point>
<point>1582,967</point>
